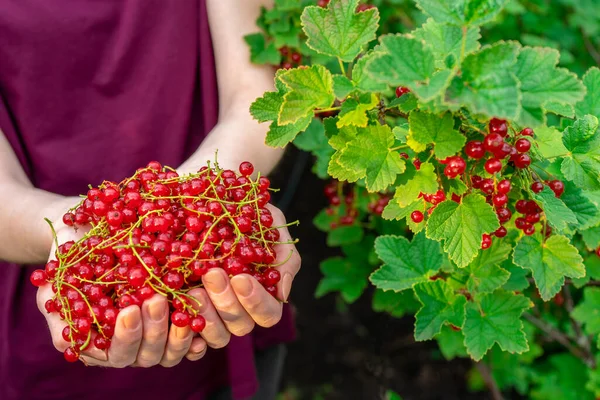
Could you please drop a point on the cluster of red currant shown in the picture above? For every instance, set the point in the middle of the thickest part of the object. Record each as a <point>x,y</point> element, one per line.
<point>291,58</point>
<point>157,232</point>
<point>335,191</point>
<point>378,204</point>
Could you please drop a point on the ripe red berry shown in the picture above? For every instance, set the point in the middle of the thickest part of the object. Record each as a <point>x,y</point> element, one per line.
<point>500,232</point>
<point>499,199</point>
<point>504,214</point>
<point>522,161</point>
<point>537,187</point>
<point>493,142</point>
<point>523,145</point>
<point>486,241</point>
<point>455,166</point>
<point>526,132</point>
<point>598,251</point>
<point>71,355</point>
<point>487,186</point>
<point>493,165</point>
<point>38,277</point>
<point>400,90</point>
<point>323,3</point>
<point>246,168</point>
<point>498,126</point>
<point>417,217</point>
<point>197,324</point>
<point>529,230</point>
<point>557,186</point>
<point>417,163</point>
<point>475,149</point>
<point>504,186</point>
<point>180,319</point>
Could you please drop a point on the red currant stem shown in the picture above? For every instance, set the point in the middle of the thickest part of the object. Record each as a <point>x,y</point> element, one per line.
<point>284,261</point>
<point>404,146</point>
<point>87,342</point>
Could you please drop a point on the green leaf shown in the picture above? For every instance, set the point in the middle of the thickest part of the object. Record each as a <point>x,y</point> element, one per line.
<point>362,80</point>
<point>279,136</point>
<point>440,306</point>
<point>344,235</point>
<point>406,263</point>
<point>428,128</point>
<point>444,40</point>
<point>542,82</point>
<point>339,31</point>
<point>591,237</point>
<point>342,86</point>
<point>585,211</point>
<point>518,277</point>
<point>368,155</point>
<point>557,213</point>
<point>395,304</point>
<point>485,274</point>
<point>582,166</point>
<point>564,378</point>
<point>550,262</point>
<point>346,275</point>
<point>591,103</point>
<point>354,112</point>
<point>462,12</point>
<point>262,52</point>
<point>451,343</point>
<point>461,226</point>
<point>495,319</point>
<point>588,311</point>
<point>549,142</point>
<point>487,85</point>
<point>423,180</point>
<point>323,221</point>
<point>266,108</point>
<point>309,88</point>
<point>394,211</point>
<point>313,139</point>
<point>402,61</point>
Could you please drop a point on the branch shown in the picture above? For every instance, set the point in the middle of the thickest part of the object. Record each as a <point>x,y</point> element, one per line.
<point>590,47</point>
<point>582,339</point>
<point>489,380</point>
<point>561,338</point>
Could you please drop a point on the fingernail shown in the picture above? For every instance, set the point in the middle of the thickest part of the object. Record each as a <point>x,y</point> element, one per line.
<point>157,310</point>
<point>286,285</point>
<point>132,320</point>
<point>181,333</point>
<point>215,281</point>
<point>242,286</point>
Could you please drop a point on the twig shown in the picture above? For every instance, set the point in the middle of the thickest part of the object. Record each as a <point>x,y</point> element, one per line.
<point>489,380</point>
<point>559,337</point>
<point>590,47</point>
<point>582,339</point>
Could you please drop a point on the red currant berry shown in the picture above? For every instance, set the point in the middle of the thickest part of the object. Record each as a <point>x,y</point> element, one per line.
<point>523,145</point>
<point>475,149</point>
<point>246,168</point>
<point>499,199</point>
<point>38,277</point>
<point>558,187</point>
<point>400,90</point>
<point>504,214</point>
<point>498,126</point>
<point>529,230</point>
<point>71,355</point>
<point>197,324</point>
<point>487,186</point>
<point>417,217</point>
<point>537,187</point>
<point>101,343</point>
<point>500,232</point>
<point>493,165</point>
<point>180,319</point>
<point>486,241</point>
<point>526,132</point>
<point>522,161</point>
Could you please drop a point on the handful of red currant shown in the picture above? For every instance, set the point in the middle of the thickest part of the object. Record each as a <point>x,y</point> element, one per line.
<point>158,232</point>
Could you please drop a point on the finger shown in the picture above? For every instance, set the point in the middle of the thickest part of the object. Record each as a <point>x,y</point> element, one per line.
<point>197,349</point>
<point>215,333</point>
<point>127,338</point>
<point>285,251</point>
<point>178,344</point>
<point>264,309</point>
<point>155,324</point>
<point>235,317</point>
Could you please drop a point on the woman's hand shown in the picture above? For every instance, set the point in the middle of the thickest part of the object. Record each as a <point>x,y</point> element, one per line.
<point>142,337</point>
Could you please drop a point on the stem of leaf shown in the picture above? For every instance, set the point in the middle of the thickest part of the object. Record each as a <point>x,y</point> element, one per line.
<point>582,339</point>
<point>328,109</point>
<point>342,68</point>
<point>488,378</point>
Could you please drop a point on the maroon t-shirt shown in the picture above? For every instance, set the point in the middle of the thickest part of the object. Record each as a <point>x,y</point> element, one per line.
<point>92,90</point>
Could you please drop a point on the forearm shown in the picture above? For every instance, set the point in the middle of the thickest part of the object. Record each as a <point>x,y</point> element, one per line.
<point>25,238</point>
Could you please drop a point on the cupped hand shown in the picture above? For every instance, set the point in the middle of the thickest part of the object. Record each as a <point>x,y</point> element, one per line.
<point>142,336</point>
<point>238,304</point>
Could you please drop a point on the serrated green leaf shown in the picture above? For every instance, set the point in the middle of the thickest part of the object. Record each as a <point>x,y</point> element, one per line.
<point>308,88</point>
<point>419,181</point>
<point>451,343</point>
<point>428,128</point>
<point>395,304</point>
<point>368,155</point>
<point>454,186</point>
<point>354,112</point>
<point>518,277</point>
<point>266,108</point>
<point>549,142</point>
<point>338,30</point>
<point>485,273</point>
<point>550,262</point>
<point>591,237</point>
<point>591,103</point>
<point>461,226</point>
<point>362,80</point>
<point>345,235</point>
<point>393,211</point>
<point>462,12</point>
<point>565,378</point>
<point>582,165</point>
<point>440,306</point>
<point>406,263</point>
<point>262,52</point>
<point>401,61</point>
<point>346,275</point>
<point>279,136</point>
<point>496,319</point>
<point>443,40</point>
<point>588,311</point>
<point>313,139</point>
<point>487,85</point>
<point>342,86</point>
<point>323,221</point>
<point>557,213</point>
<point>585,211</point>
<point>542,82</point>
